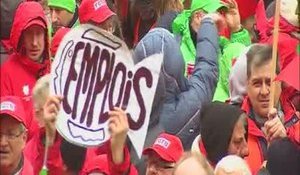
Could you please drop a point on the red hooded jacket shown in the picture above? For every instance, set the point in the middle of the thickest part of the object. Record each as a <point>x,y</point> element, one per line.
<point>287,43</point>
<point>27,168</point>
<point>19,73</point>
<point>257,142</point>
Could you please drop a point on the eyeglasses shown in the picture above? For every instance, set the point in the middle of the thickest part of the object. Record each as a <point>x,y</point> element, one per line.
<point>10,136</point>
<point>160,165</point>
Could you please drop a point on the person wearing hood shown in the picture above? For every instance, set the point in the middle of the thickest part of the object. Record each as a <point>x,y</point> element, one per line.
<point>185,25</point>
<point>13,136</point>
<point>238,79</point>
<point>30,59</point>
<point>223,132</point>
<point>64,13</point>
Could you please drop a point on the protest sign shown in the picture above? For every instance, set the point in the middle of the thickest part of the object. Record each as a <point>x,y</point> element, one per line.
<point>94,72</point>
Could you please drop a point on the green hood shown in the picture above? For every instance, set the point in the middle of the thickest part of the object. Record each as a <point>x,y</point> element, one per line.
<point>180,27</point>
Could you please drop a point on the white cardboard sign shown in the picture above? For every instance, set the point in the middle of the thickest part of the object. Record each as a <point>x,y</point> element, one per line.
<point>94,72</point>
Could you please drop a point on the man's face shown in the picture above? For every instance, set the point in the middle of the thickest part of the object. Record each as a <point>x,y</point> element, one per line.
<point>157,166</point>
<point>190,166</point>
<point>34,42</point>
<point>39,110</point>
<point>60,18</point>
<point>12,142</point>
<point>258,89</point>
<point>238,143</point>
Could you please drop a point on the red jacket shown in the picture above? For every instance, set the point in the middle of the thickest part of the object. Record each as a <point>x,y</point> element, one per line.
<point>287,43</point>
<point>27,168</point>
<point>124,168</point>
<point>257,142</point>
<point>18,73</point>
<point>35,149</point>
<point>104,163</point>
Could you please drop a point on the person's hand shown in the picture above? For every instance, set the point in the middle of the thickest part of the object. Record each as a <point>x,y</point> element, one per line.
<point>274,127</point>
<point>218,20</point>
<point>51,109</point>
<point>118,128</point>
<point>232,16</point>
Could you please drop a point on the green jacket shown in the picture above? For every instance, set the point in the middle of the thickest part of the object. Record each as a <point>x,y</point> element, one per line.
<point>230,49</point>
<point>230,53</point>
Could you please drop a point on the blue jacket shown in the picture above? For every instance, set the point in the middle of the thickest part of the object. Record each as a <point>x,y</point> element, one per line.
<point>181,99</point>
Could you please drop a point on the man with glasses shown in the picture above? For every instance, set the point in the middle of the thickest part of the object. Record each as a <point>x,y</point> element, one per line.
<point>13,136</point>
<point>163,155</point>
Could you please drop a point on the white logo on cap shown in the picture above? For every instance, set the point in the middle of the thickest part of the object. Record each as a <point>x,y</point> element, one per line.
<point>99,4</point>
<point>26,90</point>
<point>162,142</point>
<point>7,105</point>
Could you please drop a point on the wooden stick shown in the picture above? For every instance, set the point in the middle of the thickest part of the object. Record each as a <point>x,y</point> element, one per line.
<point>274,53</point>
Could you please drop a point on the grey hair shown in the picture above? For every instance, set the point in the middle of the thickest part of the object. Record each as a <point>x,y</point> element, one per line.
<point>41,90</point>
<point>231,164</point>
<point>22,127</point>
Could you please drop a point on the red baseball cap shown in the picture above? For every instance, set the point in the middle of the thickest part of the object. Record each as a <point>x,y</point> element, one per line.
<point>94,10</point>
<point>13,106</point>
<point>36,21</point>
<point>167,146</point>
<point>98,163</point>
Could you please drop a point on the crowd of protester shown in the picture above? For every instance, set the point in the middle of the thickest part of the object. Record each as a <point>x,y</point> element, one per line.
<point>211,112</point>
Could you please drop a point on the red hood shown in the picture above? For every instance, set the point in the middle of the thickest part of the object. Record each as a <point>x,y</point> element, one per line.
<point>287,44</point>
<point>26,12</point>
<point>265,26</point>
<point>284,26</point>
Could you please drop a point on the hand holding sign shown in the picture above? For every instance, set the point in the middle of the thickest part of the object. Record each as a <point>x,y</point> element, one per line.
<point>94,71</point>
<point>118,128</point>
<point>274,127</point>
<point>51,109</point>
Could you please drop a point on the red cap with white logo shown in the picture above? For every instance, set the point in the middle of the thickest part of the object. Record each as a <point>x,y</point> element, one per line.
<point>167,146</point>
<point>94,10</point>
<point>13,106</point>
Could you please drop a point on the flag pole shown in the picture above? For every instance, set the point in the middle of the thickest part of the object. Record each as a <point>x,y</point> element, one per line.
<point>274,53</point>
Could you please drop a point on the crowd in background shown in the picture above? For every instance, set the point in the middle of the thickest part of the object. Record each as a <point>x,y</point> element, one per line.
<point>211,112</point>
